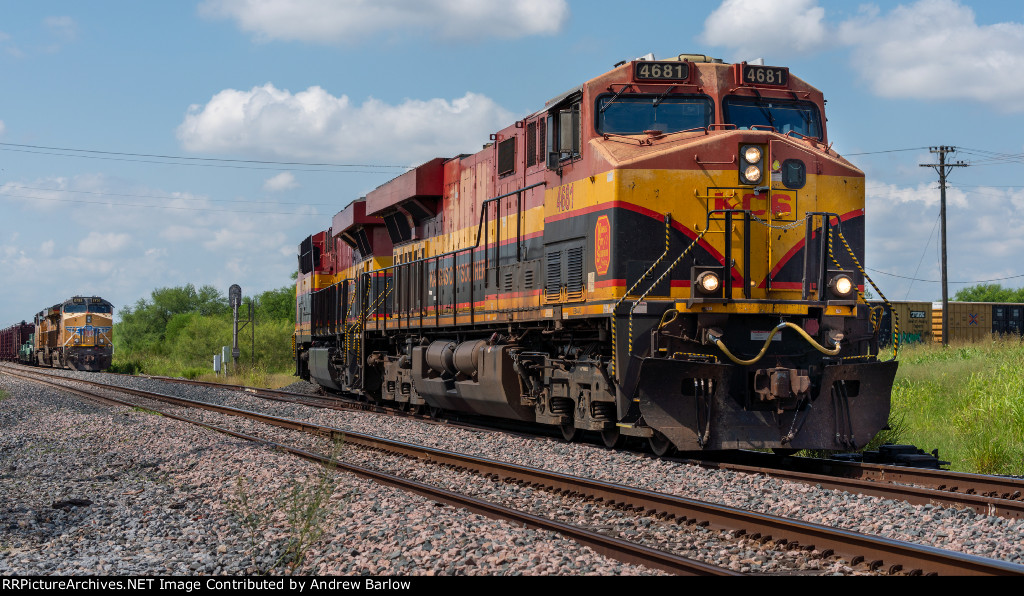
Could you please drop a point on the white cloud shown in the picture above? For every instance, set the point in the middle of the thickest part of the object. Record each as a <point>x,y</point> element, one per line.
<point>341,21</point>
<point>182,233</point>
<point>884,196</point>
<point>283,181</point>
<point>935,49</point>
<point>9,48</point>
<point>903,237</point>
<point>120,240</point>
<point>314,124</point>
<point>97,243</point>
<point>930,49</point>
<point>770,30</point>
<point>244,235</point>
<point>63,28</point>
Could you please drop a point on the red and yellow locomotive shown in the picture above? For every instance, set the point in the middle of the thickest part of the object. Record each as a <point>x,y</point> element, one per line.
<point>669,251</point>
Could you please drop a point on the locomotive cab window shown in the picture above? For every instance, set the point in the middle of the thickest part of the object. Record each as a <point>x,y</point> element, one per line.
<point>635,114</point>
<point>783,115</point>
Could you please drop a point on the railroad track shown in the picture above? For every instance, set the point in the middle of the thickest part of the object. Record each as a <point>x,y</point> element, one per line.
<point>859,550</point>
<point>629,552</point>
<point>986,495</point>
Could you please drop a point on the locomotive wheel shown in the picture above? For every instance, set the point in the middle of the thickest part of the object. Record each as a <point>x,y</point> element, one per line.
<point>436,413</point>
<point>660,445</point>
<point>569,432</point>
<point>612,438</point>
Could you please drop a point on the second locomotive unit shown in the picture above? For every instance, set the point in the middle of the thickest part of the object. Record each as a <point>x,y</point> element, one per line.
<point>671,251</point>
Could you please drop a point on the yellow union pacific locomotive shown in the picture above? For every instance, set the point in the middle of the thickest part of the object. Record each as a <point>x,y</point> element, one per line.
<point>74,334</point>
<point>670,251</point>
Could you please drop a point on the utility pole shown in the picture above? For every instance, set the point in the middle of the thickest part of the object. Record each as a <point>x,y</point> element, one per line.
<point>944,169</point>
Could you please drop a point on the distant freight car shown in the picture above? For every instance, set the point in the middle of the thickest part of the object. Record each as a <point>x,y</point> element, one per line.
<point>974,321</point>
<point>13,338</point>
<point>969,321</point>
<point>914,320</point>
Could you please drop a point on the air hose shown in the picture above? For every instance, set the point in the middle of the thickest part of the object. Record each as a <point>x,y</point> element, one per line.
<point>716,338</point>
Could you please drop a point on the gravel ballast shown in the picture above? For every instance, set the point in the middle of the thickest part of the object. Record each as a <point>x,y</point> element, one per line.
<point>164,498</point>
<point>117,491</point>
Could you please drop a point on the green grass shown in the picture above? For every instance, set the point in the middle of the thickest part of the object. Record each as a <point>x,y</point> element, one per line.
<point>967,400</point>
<point>188,347</point>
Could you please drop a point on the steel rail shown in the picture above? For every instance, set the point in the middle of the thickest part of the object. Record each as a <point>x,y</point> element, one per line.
<point>616,548</point>
<point>856,547</point>
<point>887,488</point>
<point>987,495</point>
<point>1005,487</point>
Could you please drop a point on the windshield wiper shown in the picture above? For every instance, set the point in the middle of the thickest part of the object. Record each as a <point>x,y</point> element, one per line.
<point>614,97</point>
<point>767,113</point>
<point>662,96</point>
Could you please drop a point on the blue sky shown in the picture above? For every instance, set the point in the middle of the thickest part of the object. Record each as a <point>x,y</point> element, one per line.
<point>377,85</point>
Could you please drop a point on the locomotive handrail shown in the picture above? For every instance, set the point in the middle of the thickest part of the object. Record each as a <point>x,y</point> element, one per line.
<point>731,161</point>
<point>668,237</point>
<point>478,232</point>
<point>697,195</point>
<point>826,246</point>
<point>481,229</point>
<point>608,135</point>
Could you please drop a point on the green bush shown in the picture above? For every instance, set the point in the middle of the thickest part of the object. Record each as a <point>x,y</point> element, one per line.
<point>126,366</point>
<point>179,330</point>
<point>194,372</point>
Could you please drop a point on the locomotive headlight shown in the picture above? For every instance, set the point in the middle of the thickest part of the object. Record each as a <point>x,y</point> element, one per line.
<point>841,285</point>
<point>708,282</point>
<point>751,166</point>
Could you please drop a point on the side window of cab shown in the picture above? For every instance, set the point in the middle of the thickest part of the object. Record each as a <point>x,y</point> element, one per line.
<point>564,134</point>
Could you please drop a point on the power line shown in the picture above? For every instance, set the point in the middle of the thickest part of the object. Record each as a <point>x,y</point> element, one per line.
<point>923,252</point>
<point>992,157</point>
<point>885,151</point>
<point>163,197</point>
<point>310,164</point>
<point>202,165</point>
<point>111,204</point>
<point>938,281</point>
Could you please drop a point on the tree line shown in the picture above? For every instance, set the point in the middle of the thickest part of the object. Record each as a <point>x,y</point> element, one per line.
<point>177,330</point>
<point>989,293</point>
